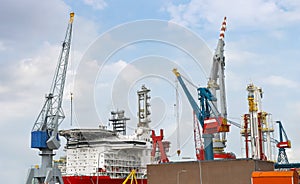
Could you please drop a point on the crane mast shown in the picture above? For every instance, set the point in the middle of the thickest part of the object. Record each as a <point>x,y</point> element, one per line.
<point>216,83</point>
<point>44,134</point>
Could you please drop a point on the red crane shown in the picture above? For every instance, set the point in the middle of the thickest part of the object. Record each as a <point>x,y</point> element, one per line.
<point>200,153</point>
<point>157,139</point>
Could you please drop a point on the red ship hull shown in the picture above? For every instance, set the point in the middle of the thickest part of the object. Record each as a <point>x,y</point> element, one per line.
<point>93,180</point>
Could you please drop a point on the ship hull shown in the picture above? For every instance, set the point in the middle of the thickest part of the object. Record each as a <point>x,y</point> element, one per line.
<point>93,180</point>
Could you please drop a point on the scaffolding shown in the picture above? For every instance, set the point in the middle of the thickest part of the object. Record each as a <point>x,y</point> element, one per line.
<point>118,120</point>
<point>257,127</point>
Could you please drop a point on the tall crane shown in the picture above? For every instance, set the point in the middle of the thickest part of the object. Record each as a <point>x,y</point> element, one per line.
<point>210,124</point>
<point>282,144</point>
<point>44,134</point>
<point>257,128</point>
<point>157,142</point>
<point>216,83</point>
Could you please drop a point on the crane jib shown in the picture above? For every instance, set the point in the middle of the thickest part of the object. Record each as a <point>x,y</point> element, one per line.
<point>45,130</point>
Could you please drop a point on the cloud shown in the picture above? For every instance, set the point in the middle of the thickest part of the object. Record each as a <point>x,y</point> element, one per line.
<point>268,14</point>
<point>22,26</point>
<point>276,80</point>
<point>2,46</point>
<point>96,4</point>
<point>109,71</point>
<point>21,78</point>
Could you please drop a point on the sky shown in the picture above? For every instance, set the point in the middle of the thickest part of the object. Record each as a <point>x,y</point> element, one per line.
<point>118,46</point>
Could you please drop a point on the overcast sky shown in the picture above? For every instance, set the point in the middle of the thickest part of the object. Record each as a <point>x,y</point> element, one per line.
<point>119,45</point>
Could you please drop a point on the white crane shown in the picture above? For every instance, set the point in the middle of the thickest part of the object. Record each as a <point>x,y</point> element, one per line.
<point>216,83</point>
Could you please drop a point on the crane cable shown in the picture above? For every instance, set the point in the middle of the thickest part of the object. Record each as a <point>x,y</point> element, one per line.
<point>189,82</point>
<point>177,117</point>
<point>72,73</point>
<point>71,120</point>
<point>214,109</point>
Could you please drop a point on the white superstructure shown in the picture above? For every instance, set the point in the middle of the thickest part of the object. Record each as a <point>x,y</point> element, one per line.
<point>93,152</point>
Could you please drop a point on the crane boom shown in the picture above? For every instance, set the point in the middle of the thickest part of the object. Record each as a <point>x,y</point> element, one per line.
<point>188,94</point>
<point>217,71</point>
<point>208,146</point>
<point>52,113</point>
<point>217,82</point>
<point>44,134</point>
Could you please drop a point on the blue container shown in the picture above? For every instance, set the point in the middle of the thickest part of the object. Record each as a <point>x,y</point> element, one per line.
<point>39,139</point>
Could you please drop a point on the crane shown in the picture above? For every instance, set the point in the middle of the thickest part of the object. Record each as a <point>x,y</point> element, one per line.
<point>282,144</point>
<point>131,177</point>
<point>199,146</point>
<point>257,128</point>
<point>210,125</point>
<point>44,134</point>
<point>216,83</point>
<point>157,139</point>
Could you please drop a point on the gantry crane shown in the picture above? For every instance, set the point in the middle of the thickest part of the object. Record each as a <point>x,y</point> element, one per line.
<point>44,134</point>
<point>282,144</point>
<point>157,141</point>
<point>207,115</point>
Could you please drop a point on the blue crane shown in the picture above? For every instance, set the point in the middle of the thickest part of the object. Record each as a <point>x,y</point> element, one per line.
<point>282,144</point>
<point>44,134</point>
<point>203,113</point>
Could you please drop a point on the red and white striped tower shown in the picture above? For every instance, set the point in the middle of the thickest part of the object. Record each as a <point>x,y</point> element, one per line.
<point>223,29</point>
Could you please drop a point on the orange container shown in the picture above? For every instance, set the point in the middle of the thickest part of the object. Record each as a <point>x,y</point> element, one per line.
<point>274,177</point>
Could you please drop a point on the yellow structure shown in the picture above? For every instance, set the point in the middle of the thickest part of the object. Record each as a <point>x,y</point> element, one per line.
<point>131,176</point>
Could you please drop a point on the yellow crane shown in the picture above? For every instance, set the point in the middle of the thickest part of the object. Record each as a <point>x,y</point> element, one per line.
<point>131,176</point>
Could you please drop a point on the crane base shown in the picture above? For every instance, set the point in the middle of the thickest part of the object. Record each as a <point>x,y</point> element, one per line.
<point>44,175</point>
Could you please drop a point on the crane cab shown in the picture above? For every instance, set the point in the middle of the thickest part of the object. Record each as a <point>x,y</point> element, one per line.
<point>215,125</point>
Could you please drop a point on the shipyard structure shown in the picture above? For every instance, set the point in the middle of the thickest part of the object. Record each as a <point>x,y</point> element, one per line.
<point>99,155</point>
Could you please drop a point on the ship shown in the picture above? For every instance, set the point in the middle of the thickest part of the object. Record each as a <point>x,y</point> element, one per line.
<point>100,155</point>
